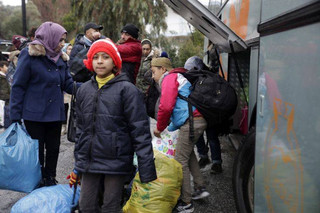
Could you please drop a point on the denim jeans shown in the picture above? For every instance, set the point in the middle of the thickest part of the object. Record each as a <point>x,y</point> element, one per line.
<point>214,144</point>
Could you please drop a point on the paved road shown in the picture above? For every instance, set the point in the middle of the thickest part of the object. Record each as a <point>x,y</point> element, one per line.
<point>219,186</point>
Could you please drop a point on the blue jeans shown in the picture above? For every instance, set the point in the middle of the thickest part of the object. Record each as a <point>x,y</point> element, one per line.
<point>214,144</point>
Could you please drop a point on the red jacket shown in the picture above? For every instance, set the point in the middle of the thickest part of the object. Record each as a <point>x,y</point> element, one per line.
<point>171,107</point>
<point>131,51</point>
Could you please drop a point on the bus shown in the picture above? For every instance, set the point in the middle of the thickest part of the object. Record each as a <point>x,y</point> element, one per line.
<point>275,48</point>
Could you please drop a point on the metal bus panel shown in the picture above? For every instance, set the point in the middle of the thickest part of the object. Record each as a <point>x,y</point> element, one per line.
<point>272,8</point>
<point>288,122</point>
<point>242,16</point>
<point>208,24</point>
<point>253,76</point>
<point>243,59</point>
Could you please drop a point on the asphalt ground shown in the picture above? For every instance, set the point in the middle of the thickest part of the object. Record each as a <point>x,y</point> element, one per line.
<point>219,186</point>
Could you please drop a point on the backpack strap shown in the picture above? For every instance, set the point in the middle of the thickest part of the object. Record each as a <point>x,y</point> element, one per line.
<point>191,128</point>
<point>216,51</point>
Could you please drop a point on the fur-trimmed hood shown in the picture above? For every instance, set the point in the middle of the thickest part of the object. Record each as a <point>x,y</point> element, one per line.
<point>14,57</point>
<point>39,50</point>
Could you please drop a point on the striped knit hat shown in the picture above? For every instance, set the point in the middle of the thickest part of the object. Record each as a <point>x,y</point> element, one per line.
<point>103,45</point>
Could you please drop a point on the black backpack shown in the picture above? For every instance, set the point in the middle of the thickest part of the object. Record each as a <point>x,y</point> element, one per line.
<point>212,95</point>
<point>78,70</point>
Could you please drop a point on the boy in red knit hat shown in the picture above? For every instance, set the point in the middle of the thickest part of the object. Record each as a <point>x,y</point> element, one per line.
<point>112,124</point>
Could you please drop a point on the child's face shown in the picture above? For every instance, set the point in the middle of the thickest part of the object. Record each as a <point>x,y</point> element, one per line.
<point>102,64</point>
<point>69,48</point>
<point>157,73</point>
<point>4,69</point>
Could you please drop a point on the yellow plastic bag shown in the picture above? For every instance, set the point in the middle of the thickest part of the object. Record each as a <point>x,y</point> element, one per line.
<point>160,195</point>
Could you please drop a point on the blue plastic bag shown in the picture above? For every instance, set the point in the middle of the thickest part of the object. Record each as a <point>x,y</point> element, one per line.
<point>52,199</point>
<point>19,160</point>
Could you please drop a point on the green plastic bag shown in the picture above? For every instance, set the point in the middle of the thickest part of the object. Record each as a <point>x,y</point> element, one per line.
<point>160,195</point>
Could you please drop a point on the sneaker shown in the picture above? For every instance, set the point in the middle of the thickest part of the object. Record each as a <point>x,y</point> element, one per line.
<point>50,181</point>
<point>216,168</point>
<point>63,129</point>
<point>184,207</point>
<point>200,194</point>
<point>203,162</point>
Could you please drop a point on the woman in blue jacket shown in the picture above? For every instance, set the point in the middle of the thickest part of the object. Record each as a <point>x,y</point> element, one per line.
<point>37,93</point>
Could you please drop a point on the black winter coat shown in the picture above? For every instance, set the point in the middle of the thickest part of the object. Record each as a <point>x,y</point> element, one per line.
<point>112,125</point>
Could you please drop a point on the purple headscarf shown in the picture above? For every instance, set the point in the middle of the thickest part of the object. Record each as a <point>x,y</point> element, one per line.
<point>49,35</point>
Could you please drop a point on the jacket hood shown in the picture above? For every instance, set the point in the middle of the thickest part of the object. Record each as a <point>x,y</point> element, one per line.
<point>39,50</point>
<point>150,56</point>
<point>79,39</point>
<point>14,57</point>
<point>178,70</point>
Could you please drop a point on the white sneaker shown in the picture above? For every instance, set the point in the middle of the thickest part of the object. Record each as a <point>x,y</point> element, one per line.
<point>63,129</point>
<point>200,194</point>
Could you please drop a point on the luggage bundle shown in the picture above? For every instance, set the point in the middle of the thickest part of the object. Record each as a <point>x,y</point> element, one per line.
<point>19,160</point>
<point>53,199</point>
<point>160,195</point>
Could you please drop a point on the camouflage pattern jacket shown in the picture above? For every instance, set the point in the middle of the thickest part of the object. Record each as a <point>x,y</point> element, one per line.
<point>143,83</point>
<point>4,88</point>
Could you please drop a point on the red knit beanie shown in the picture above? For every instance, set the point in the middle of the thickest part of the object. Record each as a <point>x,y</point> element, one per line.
<point>103,45</point>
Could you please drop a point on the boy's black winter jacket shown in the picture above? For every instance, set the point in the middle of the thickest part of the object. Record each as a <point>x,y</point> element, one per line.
<point>111,124</point>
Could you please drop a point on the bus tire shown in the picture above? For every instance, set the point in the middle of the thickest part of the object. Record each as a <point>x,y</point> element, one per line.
<point>243,174</point>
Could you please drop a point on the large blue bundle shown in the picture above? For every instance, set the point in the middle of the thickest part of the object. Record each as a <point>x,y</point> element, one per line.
<point>19,160</point>
<point>52,199</point>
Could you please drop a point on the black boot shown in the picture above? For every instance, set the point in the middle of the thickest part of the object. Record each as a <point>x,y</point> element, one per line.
<point>42,182</point>
<point>50,181</point>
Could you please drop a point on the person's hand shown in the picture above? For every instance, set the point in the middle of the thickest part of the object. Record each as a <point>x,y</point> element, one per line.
<point>96,35</point>
<point>157,133</point>
<point>72,177</point>
<point>120,41</point>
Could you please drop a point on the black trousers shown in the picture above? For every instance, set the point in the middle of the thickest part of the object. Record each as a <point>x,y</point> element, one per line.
<point>48,135</point>
<point>66,108</point>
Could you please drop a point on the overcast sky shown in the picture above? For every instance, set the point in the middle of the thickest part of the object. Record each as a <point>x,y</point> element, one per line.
<point>12,2</point>
<point>18,2</point>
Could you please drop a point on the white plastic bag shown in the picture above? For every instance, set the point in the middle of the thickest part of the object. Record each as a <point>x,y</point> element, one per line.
<point>167,143</point>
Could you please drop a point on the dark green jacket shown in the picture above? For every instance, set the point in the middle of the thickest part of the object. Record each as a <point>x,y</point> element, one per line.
<point>4,89</point>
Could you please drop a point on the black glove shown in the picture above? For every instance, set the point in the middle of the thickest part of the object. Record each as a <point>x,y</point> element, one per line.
<point>17,121</point>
